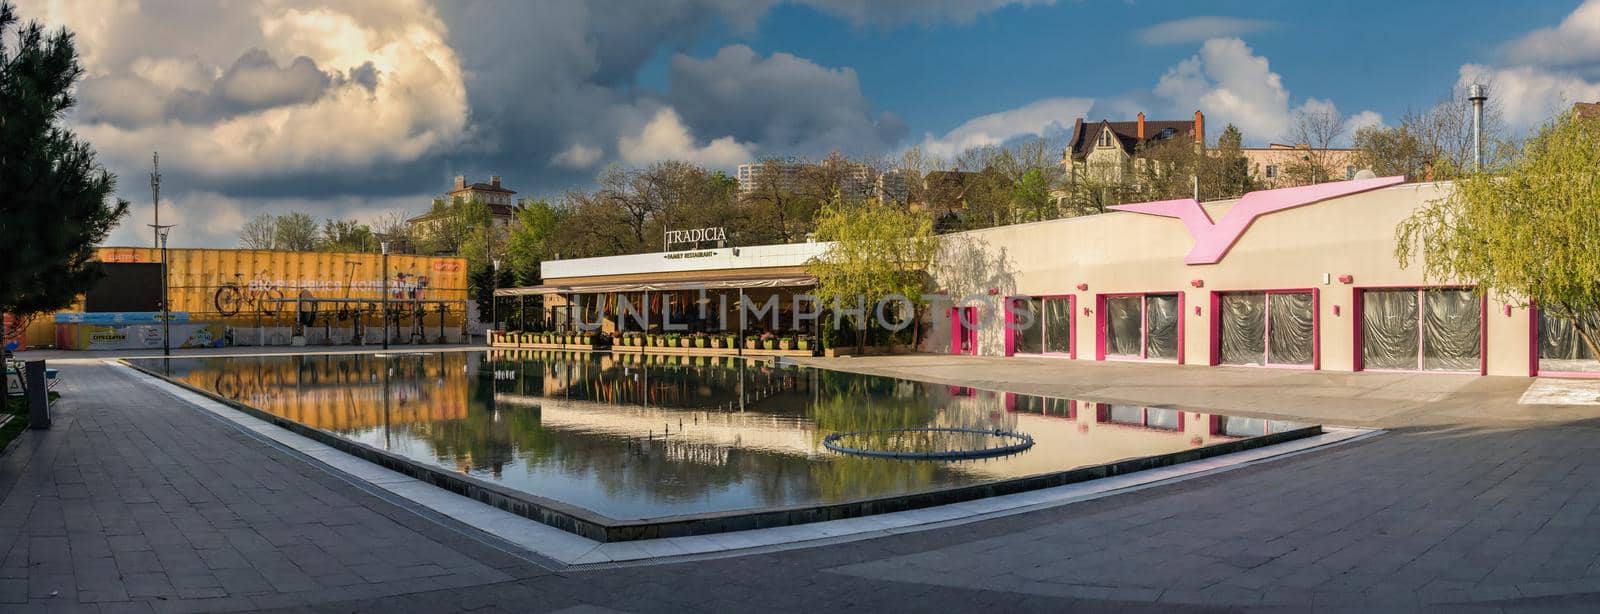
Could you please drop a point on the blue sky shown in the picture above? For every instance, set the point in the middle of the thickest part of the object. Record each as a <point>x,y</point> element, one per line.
<point>363,108</point>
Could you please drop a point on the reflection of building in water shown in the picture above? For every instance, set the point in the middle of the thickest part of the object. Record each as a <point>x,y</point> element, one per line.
<point>343,393</point>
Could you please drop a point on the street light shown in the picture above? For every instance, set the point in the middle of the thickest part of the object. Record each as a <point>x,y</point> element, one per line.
<point>384,300</point>
<point>166,284</point>
<point>494,301</point>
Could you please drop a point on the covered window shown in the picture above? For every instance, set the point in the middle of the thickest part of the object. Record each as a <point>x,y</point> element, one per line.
<point>1563,346</point>
<point>1272,171</point>
<point>1041,325</point>
<point>1142,326</point>
<point>1267,328</point>
<point>1421,329</point>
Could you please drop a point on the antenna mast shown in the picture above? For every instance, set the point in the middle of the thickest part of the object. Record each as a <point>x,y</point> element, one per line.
<point>155,194</point>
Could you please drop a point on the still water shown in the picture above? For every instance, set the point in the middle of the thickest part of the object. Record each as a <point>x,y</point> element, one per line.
<point>636,437</point>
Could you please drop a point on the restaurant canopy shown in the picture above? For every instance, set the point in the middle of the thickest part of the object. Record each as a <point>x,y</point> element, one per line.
<point>663,286</point>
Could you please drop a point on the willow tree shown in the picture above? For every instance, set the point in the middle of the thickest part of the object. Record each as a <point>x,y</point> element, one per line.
<point>1529,233</point>
<point>879,251</point>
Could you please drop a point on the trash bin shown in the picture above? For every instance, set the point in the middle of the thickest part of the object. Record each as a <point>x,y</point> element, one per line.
<point>38,394</point>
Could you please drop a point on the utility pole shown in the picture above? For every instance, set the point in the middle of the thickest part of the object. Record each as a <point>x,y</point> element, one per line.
<point>161,231</point>
<point>155,194</point>
<point>385,297</point>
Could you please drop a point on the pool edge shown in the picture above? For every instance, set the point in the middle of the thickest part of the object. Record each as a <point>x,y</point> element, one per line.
<point>591,525</point>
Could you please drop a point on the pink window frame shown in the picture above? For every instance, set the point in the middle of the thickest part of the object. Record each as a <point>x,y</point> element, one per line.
<point>1072,328</point>
<point>957,328</point>
<point>1102,415</point>
<point>1100,324</point>
<point>1358,362</point>
<point>1533,352</point>
<point>1316,327</point>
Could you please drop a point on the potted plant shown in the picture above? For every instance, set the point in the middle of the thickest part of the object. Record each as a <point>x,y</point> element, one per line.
<point>769,341</point>
<point>684,342</point>
<point>717,342</point>
<point>804,342</point>
<point>786,343</point>
<point>751,343</point>
<point>700,340</point>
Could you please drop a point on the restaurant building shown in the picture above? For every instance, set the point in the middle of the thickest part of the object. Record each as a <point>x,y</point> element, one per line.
<point>1293,278</point>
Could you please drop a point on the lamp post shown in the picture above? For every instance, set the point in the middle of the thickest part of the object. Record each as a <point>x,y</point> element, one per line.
<point>494,300</point>
<point>384,300</point>
<point>166,284</point>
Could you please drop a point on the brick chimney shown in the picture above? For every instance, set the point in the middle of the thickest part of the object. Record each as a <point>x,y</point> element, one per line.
<point>1199,128</point>
<point>461,182</point>
<point>1141,125</point>
<point>494,180</point>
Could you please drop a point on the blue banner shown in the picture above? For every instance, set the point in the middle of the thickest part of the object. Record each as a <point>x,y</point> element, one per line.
<point>118,317</point>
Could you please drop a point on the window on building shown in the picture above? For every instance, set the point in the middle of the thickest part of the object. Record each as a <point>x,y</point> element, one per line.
<point>1272,171</point>
<point>1105,138</point>
<point>1166,133</point>
<point>1349,172</point>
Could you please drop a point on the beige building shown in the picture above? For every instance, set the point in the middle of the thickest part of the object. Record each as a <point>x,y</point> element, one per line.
<point>499,199</point>
<point>1112,152</point>
<point>1293,278</point>
<point>1280,166</point>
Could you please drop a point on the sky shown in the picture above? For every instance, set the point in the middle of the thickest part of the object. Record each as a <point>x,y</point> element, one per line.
<point>355,108</point>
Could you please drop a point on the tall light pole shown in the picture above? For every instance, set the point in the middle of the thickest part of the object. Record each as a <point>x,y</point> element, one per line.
<point>166,285</point>
<point>494,300</point>
<point>385,299</point>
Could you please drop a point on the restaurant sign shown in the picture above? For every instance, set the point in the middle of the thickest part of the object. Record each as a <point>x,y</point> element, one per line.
<point>696,235</point>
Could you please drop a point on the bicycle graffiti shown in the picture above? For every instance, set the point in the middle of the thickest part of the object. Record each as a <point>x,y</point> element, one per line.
<point>259,293</point>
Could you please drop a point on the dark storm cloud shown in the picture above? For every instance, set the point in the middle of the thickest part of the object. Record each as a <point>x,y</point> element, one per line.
<point>254,81</point>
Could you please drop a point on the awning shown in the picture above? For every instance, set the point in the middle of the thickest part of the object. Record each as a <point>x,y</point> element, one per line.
<point>663,286</point>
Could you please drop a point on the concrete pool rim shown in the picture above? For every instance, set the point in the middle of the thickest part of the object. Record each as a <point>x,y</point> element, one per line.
<point>597,527</point>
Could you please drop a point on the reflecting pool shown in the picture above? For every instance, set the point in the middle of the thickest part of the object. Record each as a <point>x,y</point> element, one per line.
<point>634,437</point>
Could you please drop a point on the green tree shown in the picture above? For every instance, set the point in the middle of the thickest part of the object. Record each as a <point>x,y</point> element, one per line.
<point>1528,233</point>
<point>295,232</point>
<point>53,194</point>
<point>347,236</point>
<point>531,241</point>
<point>1225,172</point>
<point>258,232</point>
<point>878,251</point>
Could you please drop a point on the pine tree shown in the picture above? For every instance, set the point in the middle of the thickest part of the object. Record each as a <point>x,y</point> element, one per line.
<point>54,208</point>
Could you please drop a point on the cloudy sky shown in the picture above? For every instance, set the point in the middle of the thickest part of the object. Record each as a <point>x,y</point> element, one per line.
<point>357,107</point>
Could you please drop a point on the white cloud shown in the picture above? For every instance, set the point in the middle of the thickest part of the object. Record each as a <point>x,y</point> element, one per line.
<point>1529,95</point>
<point>1543,72</point>
<point>1575,43</point>
<point>1036,118</point>
<point>288,119</point>
<point>1231,84</point>
<point>1361,120</point>
<point>1199,28</point>
<point>665,137</point>
<point>578,156</point>
<point>925,12</point>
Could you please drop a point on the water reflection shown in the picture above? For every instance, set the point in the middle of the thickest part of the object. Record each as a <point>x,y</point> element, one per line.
<point>634,437</point>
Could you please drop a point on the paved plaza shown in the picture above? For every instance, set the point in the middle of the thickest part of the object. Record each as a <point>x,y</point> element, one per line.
<point>136,501</point>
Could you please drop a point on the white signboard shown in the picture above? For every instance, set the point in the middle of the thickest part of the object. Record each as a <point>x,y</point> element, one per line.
<point>697,235</point>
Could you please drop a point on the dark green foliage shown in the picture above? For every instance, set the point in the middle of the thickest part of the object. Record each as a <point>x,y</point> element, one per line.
<point>54,208</point>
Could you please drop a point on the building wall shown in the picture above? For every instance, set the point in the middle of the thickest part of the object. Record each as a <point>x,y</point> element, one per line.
<point>1340,164</point>
<point>1122,252</point>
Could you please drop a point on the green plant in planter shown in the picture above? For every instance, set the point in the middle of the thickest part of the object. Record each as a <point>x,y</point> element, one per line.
<point>701,341</point>
<point>751,343</point>
<point>769,342</point>
<point>804,343</point>
<point>684,342</point>
<point>786,343</point>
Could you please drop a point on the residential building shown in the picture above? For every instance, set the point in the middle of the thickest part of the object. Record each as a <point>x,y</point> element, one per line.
<point>851,178</point>
<point>1114,152</point>
<point>1586,110</point>
<point>1278,165</point>
<point>502,209</point>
